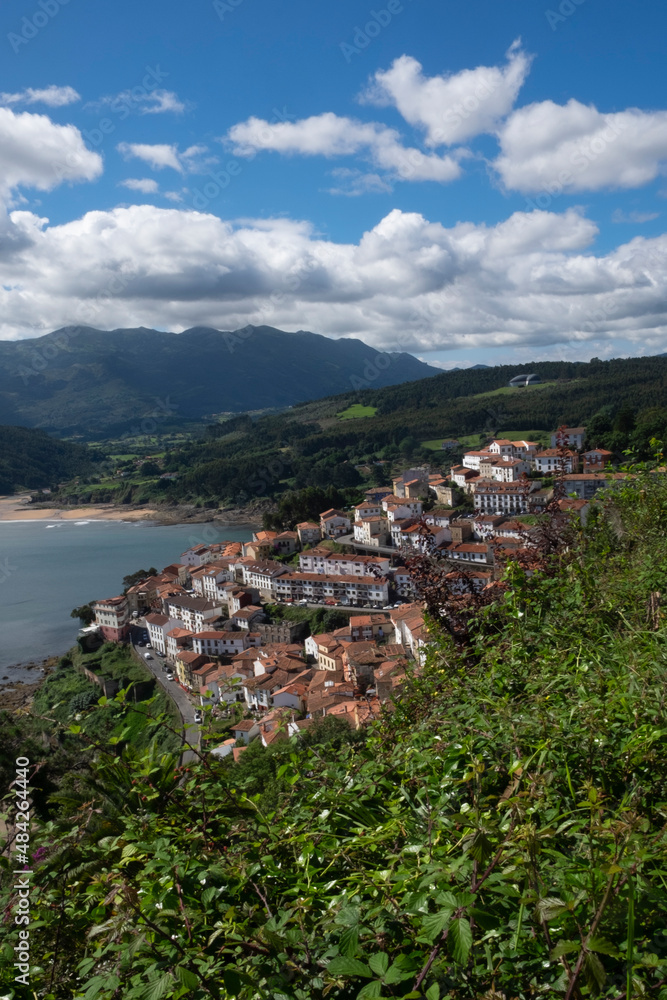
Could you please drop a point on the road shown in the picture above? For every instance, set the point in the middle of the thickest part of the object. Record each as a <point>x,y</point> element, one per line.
<point>182,701</point>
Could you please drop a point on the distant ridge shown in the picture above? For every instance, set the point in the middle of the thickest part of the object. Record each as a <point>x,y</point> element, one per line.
<point>82,380</point>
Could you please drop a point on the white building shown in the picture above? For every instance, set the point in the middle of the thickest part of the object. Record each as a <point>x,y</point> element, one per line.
<point>316,587</point>
<point>158,626</point>
<point>569,437</point>
<point>492,497</point>
<point>551,461</point>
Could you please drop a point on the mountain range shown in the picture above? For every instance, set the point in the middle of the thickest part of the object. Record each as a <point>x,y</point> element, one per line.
<point>82,380</point>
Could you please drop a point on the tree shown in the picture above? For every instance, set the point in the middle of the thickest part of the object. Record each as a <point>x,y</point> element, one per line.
<point>85,614</point>
<point>141,574</point>
<point>150,469</point>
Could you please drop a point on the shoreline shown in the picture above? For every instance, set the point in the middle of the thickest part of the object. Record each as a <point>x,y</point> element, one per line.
<point>17,508</point>
<point>15,695</point>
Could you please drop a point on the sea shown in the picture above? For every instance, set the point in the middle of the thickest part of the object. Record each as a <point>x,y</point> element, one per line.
<point>47,568</point>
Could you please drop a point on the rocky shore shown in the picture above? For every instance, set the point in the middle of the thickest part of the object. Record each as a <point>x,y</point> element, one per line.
<point>19,694</point>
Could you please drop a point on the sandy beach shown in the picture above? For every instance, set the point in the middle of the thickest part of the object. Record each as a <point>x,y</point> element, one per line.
<point>19,508</point>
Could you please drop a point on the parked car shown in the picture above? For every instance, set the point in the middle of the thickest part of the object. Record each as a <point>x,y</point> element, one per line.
<point>199,718</point>
<point>148,645</point>
<point>303,603</point>
<point>170,676</point>
<point>148,656</point>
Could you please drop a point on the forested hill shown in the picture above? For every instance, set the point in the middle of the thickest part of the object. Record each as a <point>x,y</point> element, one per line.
<point>30,459</point>
<point>81,380</point>
<point>623,405</point>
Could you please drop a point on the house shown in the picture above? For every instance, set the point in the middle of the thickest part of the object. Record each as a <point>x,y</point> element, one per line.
<point>462,582</point>
<point>411,484</point>
<point>464,477</point>
<point>422,537</point>
<point>525,449</point>
<point>377,494</point>
<point>186,662</point>
<point>113,618</point>
<point>569,437</point>
<point>309,533</point>
<point>485,525</point>
<point>223,643</point>
<point>450,444</point>
<point>596,459</point>
<point>334,523</point>
<point>329,563</point>
<point>361,658</point>
<point>445,493</point>
<point>395,507</point>
<point>502,447</point>
<point>367,509</point>
<point>509,470</point>
<point>178,640</point>
<point>470,552</point>
<point>473,459</point>
<point>442,516</point>
<point>207,580</point>
<point>258,550</point>
<point>245,730</point>
<point>196,556</point>
<point>247,617</point>
<point>317,587</point>
<point>403,583</point>
<point>555,460</point>
<point>192,611</point>
<point>371,531</point>
<point>461,530</point>
<point>158,626</point>
<point>201,676</point>
<point>492,497</point>
<point>410,630</point>
<point>225,685</point>
<point>225,749</point>
<point>286,543</point>
<point>262,575</point>
<point>585,485</point>
<point>238,597</point>
<point>358,712</point>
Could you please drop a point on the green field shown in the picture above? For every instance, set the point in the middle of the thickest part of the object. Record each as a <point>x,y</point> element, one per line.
<point>356,411</point>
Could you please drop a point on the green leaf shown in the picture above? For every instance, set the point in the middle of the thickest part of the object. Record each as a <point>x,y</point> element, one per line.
<point>602,946</point>
<point>550,907</point>
<point>433,992</point>
<point>187,978</point>
<point>435,923</point>
<point>594,972</point>
<point>349,941</point>
<point>379,963</point>
<point>564,948</point>
<point>460,940</point>
<point>373,989</point>
<point>344,966</point>
<point>232,982</point>
<point>158,988</point>
<point>396,974</point>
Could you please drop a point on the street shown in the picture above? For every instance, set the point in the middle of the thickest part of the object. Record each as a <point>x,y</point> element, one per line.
<point>174,690</point>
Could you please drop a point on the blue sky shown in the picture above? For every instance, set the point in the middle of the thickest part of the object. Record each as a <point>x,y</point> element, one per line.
<point>471,182</point>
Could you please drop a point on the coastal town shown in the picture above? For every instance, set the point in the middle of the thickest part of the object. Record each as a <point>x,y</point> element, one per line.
<point>207,622</point>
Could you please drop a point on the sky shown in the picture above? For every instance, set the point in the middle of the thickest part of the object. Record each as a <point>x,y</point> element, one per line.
<point>478,182</point>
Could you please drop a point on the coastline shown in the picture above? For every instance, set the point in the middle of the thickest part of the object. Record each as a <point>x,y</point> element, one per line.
<point>17,507</point>
<point>15,695</point>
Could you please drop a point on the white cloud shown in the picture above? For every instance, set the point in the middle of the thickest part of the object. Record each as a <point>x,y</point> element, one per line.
<point>331,135</point>
<point>53,97</point>
<point>36,153</point>
<point>451,109</point>
<point>159,156</point>
<point>143,184</point>
<point>407,284</point>
<point>142,100</point>
<point>633,217</point>
<point>355,182</point>
<point>574,147</point>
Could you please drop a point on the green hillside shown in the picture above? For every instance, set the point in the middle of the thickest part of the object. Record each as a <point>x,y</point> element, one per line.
<point>498,834</point>
<point>30,459</point>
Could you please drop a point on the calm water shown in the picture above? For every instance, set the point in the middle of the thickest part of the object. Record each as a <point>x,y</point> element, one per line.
<point>48,568</point>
